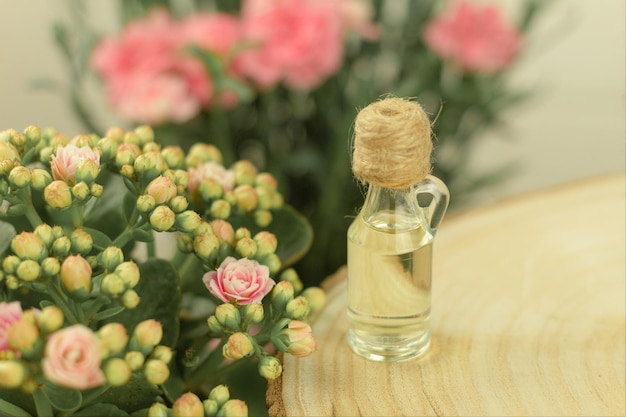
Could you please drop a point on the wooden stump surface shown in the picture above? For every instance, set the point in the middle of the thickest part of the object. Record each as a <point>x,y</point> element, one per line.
<point>529,307</point>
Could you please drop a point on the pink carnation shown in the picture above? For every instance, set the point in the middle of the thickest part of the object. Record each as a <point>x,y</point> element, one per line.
<point>147,76</point>
<point>9,314</point>
<point>243,281</point>
<point>216,32</point>
<point>72,358</point>
<point>299,42</point>
<point>67,159</point>
<point>473,37</point>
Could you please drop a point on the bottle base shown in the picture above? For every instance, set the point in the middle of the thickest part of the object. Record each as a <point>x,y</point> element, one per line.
<point>386,348</point>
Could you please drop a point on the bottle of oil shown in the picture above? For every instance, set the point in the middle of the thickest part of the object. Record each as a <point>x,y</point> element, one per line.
<point>390,253</point>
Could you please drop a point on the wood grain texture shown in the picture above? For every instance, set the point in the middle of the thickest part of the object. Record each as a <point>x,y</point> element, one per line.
<point>529,316</point>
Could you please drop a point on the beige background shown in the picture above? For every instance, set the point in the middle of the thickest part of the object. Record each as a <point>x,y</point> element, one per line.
<point>574,127</point>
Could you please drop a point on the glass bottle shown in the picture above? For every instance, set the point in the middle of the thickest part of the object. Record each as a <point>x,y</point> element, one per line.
<point>389,270</point>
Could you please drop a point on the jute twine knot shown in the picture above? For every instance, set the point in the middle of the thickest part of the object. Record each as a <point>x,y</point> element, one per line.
<point>392,143</point>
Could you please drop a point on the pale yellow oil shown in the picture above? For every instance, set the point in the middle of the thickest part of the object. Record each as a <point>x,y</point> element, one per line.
<point>389,286</point>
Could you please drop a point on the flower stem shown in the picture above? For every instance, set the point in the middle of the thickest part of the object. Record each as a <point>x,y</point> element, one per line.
<point>61,302</point>
<point>199,375</point>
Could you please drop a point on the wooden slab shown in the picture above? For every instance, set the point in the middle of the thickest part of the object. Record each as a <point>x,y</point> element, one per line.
<point>529,307</point>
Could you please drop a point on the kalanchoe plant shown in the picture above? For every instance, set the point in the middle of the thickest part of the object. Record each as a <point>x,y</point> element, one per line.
<point>93,323</point>
<point>287,102</point>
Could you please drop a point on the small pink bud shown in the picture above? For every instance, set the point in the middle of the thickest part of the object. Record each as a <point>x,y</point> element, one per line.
<point>238,346</point>
<point>58,194</point>
<point>270,367</point>
<point>162,218</point>
<point>51,319</point>
<point>247,197</point>
<point>301,340</point>
<point>234,408</point>
<point>113,338</point>
<point>162,189</point>
<point>223,230</point>
<point>245,172</point>
<point>188,405</point>
<point>156,371</point>
<point>266,243</point>
<point>148,333</point>
<point>129,273</point>
<point>76,274</point>
<point>27,245</point>
<point>22,335</point>
<point>117,372</point>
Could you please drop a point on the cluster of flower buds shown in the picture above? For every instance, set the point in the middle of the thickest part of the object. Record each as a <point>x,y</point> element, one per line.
<point>240,190</point>
<point>73,164</point>
<point>22,342</point>
<point>35,343</point>
<point>189,404</point>
<point>215,241</point>
<point>247,324</point>
<point>293,307</point>
<point>46,253</point>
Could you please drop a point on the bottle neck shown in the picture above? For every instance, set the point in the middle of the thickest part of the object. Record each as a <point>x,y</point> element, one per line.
<point>388,209</point>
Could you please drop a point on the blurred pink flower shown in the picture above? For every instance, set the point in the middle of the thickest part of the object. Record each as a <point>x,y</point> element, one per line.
<point>299,42</point>
<point>217,32</point>
<point>72,358</point>
<point>357,17</point>
<point>10,313</point>
<point>147,75</point>
<point>473,37</point>
<point>243,281</point>
<point>67,159</point>
<point>223,230</point>
<point>211,170</point>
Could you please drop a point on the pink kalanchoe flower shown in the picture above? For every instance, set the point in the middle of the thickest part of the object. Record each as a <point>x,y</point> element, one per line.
<point>243,281</point>
<point>72,358</point>
<point>211,170</point>
<point>10,313</point>
<point>68,158</point>
<point>474,37</point>
<point>299,42</point>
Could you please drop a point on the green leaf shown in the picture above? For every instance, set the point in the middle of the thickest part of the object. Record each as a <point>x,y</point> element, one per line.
<point>111,212</point>
<point>293,232</point>
<point>160,295</point>
<point>101,410</point>
<point>135,395</point>
<point>7,231</point>
<point>100,239</point>
<point>142,235</point>
<point>6,408</point>
<point>63,399</point>
<point>108,313</point>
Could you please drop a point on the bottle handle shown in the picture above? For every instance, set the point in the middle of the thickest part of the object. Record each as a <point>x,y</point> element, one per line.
<point>433,197</point>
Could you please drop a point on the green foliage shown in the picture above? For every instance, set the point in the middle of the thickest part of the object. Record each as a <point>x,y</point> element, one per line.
<point>62,399</point>
<point>159,287</point>
<point>7,231</point>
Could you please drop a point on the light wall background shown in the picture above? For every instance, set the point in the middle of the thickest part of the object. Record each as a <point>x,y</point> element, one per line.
<point>574,127</point>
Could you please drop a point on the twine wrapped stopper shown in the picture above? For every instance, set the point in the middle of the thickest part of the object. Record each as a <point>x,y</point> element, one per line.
<point>392,143</point>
